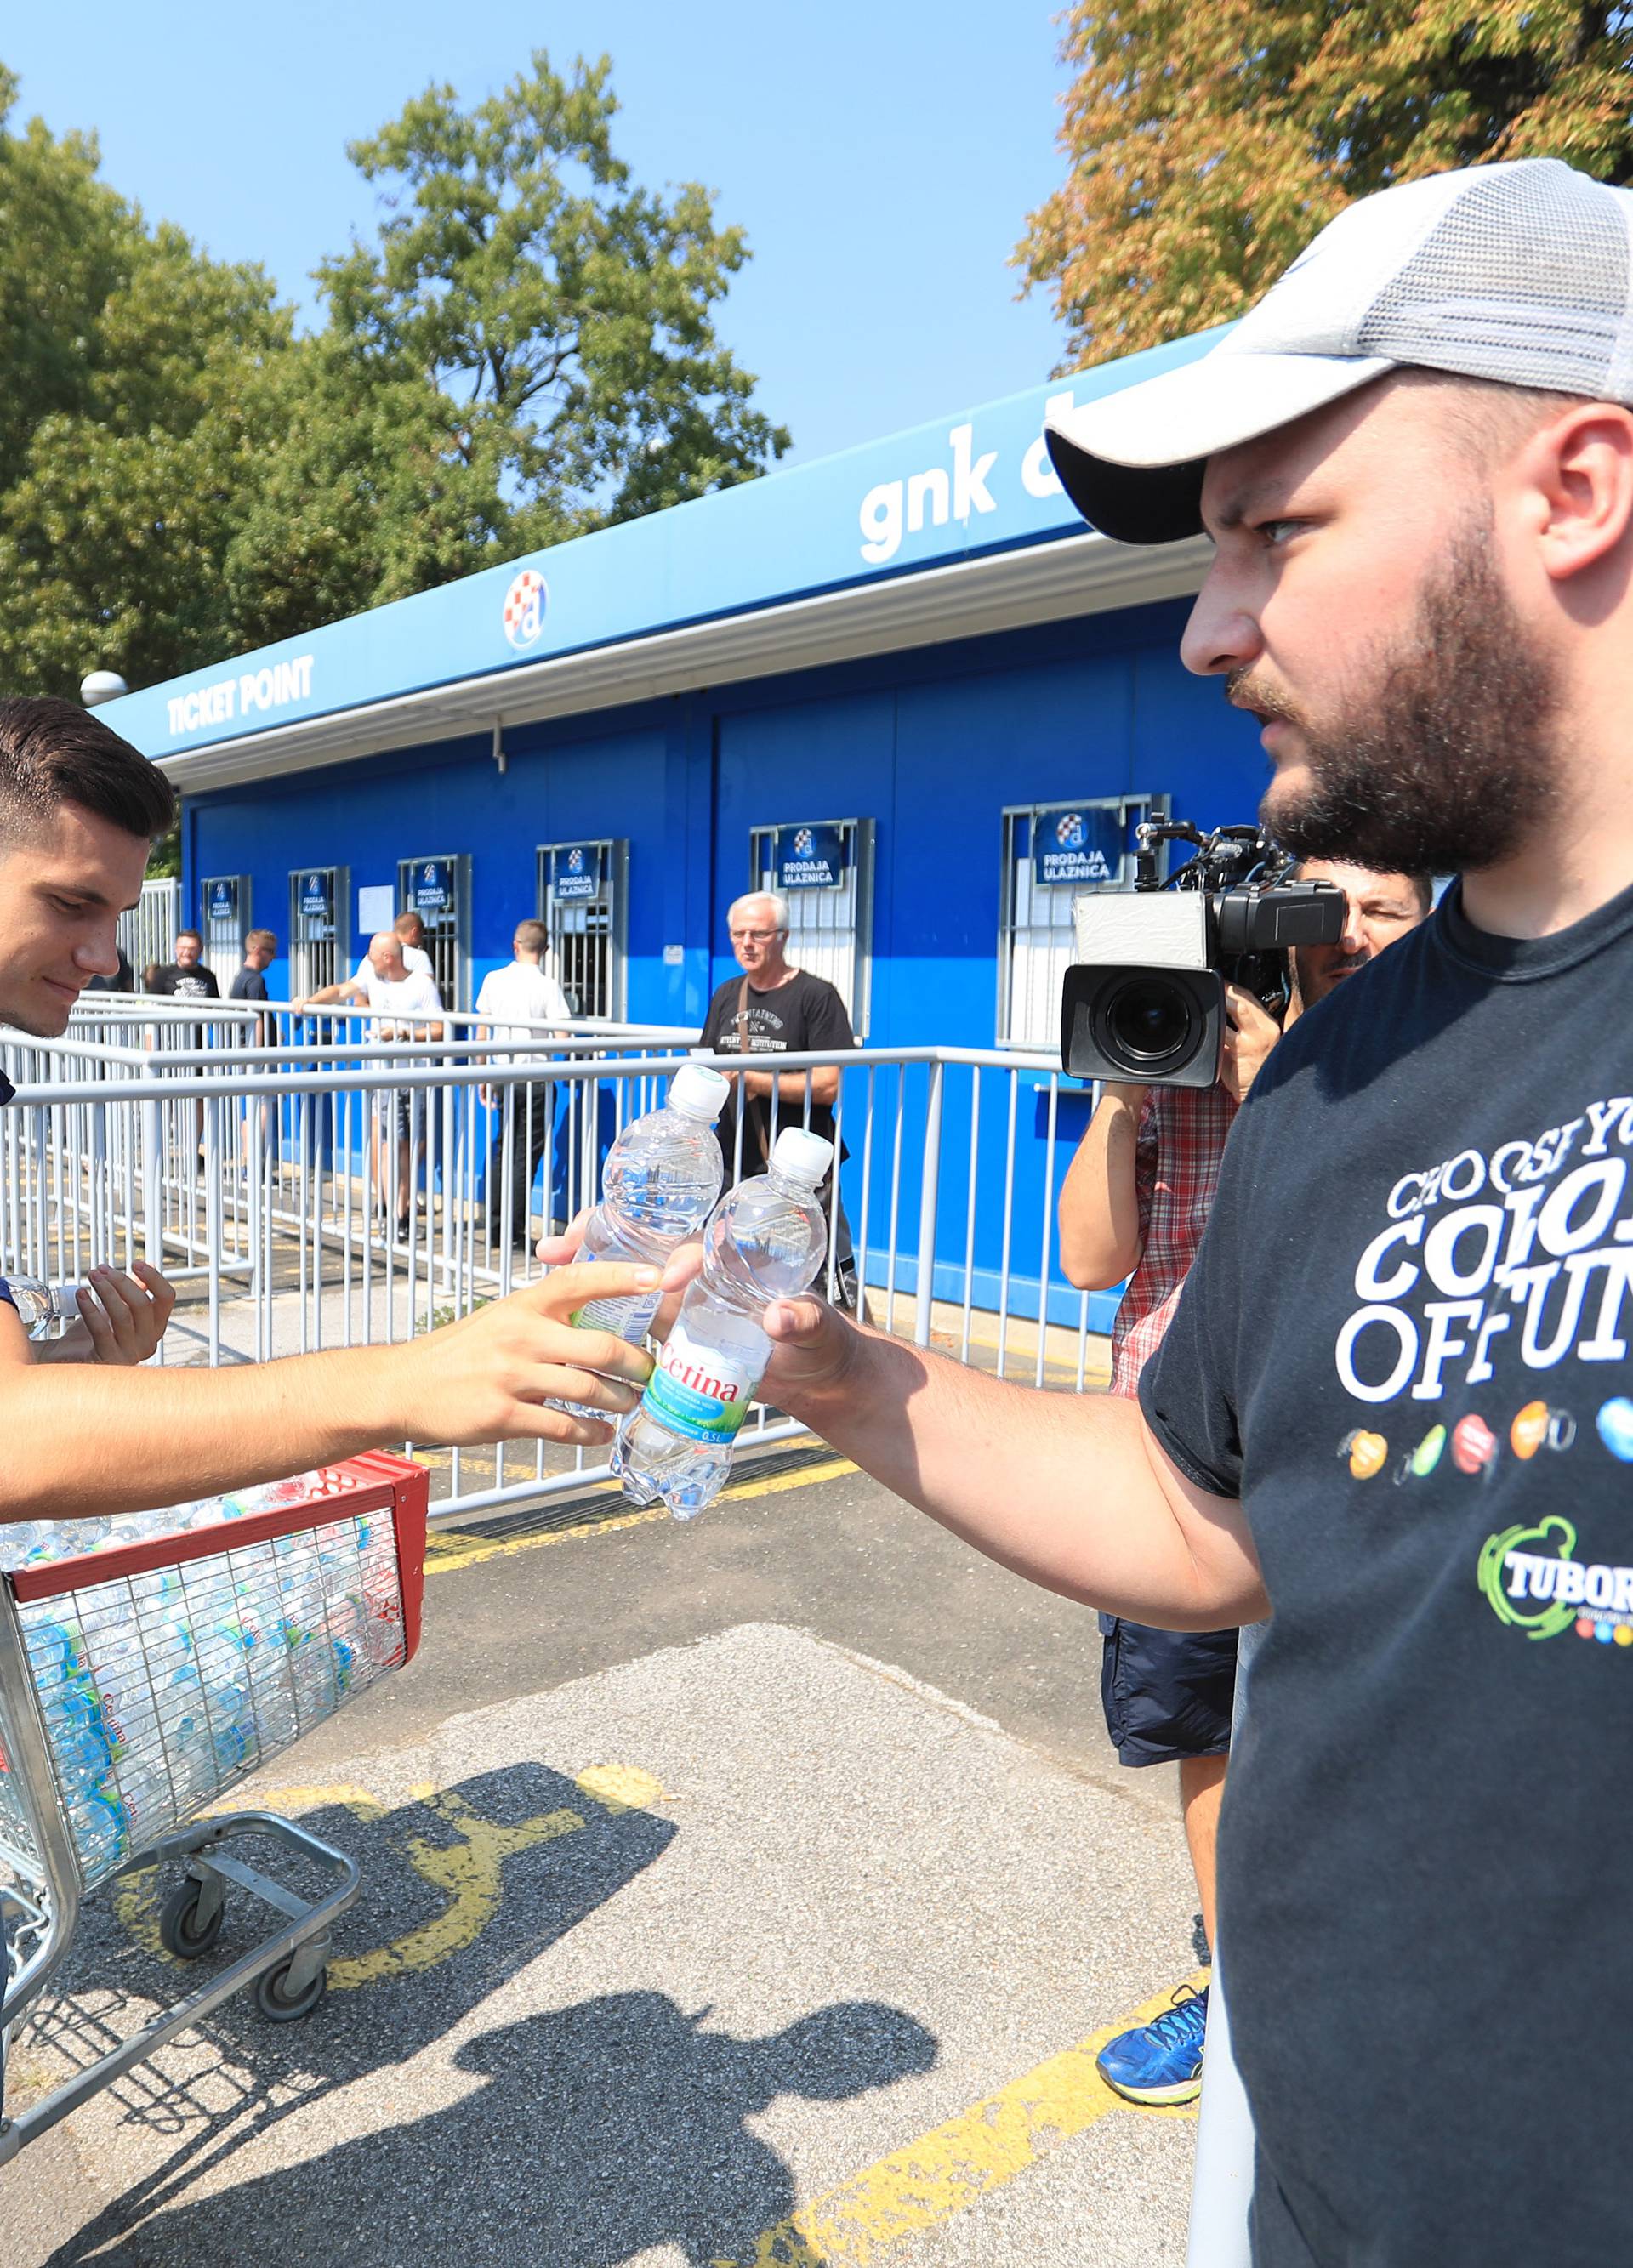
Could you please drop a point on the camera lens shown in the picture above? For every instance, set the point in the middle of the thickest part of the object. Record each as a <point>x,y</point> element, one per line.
<point>1150,1026</point>
<point>1149,1020</point>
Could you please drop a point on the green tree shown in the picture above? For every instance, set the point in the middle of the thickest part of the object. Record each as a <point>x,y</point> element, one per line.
<point>526,352</point>
<point>1206,143</point>
<point>530,338</point>
<point>130,367</point>
<point>62,253</point>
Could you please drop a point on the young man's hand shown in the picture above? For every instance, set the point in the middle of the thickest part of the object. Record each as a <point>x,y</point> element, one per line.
<point>489,1377</point>
<point>812,1344</point>
<point>1251,1031</point>
<point>121,1319</point>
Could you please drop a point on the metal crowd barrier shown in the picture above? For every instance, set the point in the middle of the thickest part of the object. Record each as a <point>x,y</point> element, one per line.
<point>254,1176</point>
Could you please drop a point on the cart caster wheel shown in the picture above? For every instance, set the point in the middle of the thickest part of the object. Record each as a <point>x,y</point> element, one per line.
<point>273,1999</point>
<point>179,1931</point>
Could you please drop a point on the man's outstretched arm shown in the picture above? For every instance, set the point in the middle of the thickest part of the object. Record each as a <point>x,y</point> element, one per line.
<point>82,1440</point>
<point>1071,1490</point>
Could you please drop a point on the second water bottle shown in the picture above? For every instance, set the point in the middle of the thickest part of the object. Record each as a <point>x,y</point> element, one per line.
<point>765,1241</point>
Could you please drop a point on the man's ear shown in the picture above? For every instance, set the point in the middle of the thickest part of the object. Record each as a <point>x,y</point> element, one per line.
<point>1579,469</point>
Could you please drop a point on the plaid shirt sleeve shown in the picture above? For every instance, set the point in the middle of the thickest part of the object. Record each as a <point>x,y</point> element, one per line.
<point>1178,1151</point>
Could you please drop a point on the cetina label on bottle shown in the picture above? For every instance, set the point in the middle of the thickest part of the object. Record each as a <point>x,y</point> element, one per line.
<point>698,1392</point>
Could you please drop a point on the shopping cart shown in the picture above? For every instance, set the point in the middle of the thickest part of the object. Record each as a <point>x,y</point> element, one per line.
<point>138,1685</point>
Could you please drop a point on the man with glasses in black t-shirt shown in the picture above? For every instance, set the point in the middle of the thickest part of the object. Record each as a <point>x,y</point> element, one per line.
<point>776,1008</point>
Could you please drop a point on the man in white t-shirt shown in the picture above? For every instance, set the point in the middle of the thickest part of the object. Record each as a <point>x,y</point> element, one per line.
<point>412,1010</point>
<point>410,931</point>
<point>514,1002</point>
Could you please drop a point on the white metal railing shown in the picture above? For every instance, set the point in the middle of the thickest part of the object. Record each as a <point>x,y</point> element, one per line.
<point>255,1175</point>
<point>148,931</point>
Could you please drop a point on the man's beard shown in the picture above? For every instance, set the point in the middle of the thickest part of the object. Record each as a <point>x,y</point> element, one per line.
<point>1451,761</point>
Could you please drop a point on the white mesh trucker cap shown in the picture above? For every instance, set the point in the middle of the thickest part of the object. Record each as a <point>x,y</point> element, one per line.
<point>1522,273</point>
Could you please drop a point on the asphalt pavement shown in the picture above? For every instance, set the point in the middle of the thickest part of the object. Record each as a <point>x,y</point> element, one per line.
<point>756,1891</point>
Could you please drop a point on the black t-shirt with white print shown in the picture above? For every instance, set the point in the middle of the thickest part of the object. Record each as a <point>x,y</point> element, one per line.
<point>804,1016</point>
<point>1405,1344</point>
<point>174,982</point>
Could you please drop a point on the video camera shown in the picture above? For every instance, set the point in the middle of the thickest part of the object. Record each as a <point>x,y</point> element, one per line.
<point>1144,1002</point>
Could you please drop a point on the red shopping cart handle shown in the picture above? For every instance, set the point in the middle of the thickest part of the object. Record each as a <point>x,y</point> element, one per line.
<point>375,1482</point>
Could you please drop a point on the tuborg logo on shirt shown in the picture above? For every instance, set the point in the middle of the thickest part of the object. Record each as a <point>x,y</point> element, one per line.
<point>1533,1580</point>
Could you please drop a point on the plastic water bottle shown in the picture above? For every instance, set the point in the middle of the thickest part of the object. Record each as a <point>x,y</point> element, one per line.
<point>46,1309</point>
<point>269,1496</point>
<point>101,1828</point>
<point>764,1241</point>
<point>662,1175</point>
<point>22,1541</point>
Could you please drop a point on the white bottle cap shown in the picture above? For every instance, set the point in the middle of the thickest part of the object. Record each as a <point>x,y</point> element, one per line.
<point>802,1156</point>
<point>699,1092</point>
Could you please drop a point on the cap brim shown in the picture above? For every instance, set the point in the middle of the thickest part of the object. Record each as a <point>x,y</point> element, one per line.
<point>1133,462</point>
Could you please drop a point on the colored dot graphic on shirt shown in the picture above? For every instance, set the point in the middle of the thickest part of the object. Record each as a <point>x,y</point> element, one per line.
<point>1585,1626</point>
<point>1367,1453</point>
<point>1529,1430</point>
<point>1473,1445</point>
<point>1604,1632</point>
<point>1616,1427</point>
<point>1424,1458</point>
<point>1624,1634</point>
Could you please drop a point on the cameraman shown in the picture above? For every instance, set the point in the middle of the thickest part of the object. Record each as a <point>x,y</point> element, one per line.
<point>1134,1205</point>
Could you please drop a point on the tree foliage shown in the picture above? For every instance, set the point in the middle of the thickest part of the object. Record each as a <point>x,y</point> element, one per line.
<point>1206,143</point>
<point>523,351</point>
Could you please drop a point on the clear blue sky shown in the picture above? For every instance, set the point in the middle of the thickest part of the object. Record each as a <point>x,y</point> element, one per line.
<point>882,156</point>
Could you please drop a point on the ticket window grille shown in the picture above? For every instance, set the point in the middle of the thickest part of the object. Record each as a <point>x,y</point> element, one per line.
<point>1034,933</point>
<point>583,901</point>
<point>436,888</point>
<point>830,926</point>
<point>319,933</point>
<point>223,907</point>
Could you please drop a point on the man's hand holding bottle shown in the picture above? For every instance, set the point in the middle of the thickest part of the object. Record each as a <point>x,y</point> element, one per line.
<point>814,1345</point>
<point>491,1376</point>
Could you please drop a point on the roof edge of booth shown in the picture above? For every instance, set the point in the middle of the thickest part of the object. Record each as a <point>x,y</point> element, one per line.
<point>1007,589</point>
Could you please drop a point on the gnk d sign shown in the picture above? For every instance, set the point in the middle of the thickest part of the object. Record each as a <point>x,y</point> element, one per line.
<point>937,493</point>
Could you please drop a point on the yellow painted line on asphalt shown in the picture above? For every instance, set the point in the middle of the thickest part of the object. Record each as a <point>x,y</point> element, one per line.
<point>450,1550</point>
<point>946,2172</point>
<point>469,1873</point>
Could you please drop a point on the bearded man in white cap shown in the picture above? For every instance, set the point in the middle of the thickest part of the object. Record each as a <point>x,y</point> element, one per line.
<point>1394,1409</point>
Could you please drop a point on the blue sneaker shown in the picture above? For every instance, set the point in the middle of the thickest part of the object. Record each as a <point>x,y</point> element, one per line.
<point>1161,2062</point>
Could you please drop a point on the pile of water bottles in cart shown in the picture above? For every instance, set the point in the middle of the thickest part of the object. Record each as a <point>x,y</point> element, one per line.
<point>202,1654</point>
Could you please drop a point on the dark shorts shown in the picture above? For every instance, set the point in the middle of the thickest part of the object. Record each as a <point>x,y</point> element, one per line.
<point>1167,1694</point>
<point>404,1109</point>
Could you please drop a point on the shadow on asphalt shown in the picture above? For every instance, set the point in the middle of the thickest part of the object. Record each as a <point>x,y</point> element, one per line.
<point>599,2130</point>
